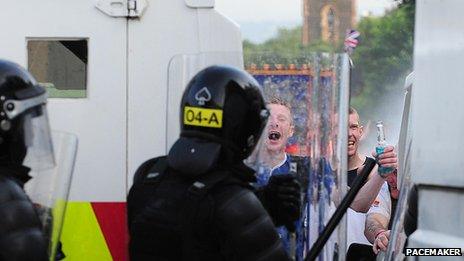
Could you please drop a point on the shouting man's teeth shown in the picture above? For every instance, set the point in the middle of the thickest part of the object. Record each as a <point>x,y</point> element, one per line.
<point>274,135</point>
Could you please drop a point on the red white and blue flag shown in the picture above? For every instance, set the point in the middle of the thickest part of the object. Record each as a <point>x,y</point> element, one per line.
<point>351,40</point>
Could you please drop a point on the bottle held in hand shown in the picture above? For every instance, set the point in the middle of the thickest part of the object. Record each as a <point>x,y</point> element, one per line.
<point>381,144</point>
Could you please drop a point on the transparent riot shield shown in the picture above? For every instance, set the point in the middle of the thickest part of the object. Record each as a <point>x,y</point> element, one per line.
<point>49,189</point>
<point>397,234</point>
<point>182,68</point>
<point>306,135</point>
<point>329,148</point>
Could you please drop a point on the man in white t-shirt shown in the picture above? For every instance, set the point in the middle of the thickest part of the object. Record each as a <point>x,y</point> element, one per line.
<point>374,189</point>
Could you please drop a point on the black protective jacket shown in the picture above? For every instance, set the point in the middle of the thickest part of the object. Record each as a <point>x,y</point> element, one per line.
<point>227,223</point>
<point>21,236</point>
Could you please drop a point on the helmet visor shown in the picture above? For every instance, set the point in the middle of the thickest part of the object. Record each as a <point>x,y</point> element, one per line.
<point>37,139</point>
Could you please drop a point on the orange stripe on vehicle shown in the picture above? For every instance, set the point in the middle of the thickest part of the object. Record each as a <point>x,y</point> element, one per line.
<point>82,237</point>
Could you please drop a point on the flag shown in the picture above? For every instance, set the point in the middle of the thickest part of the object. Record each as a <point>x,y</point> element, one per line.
<point>351,40</point>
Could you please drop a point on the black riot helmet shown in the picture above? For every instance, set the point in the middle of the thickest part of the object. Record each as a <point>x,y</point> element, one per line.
<point>224,105</point>
<point>24,128</point>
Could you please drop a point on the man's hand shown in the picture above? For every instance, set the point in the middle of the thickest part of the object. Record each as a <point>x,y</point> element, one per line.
<point>381,242</point>
<point>387,159</point>
<point>283,199</point>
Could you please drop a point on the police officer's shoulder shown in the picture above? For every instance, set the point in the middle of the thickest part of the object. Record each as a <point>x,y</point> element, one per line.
<point>244,222</point>
<point>237,202</point>
<point>10,190</point>
<point>144,170</point>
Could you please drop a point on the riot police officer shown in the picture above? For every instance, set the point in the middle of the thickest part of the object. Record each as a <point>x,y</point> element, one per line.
<point>197,203</point>
<point>25,144</point>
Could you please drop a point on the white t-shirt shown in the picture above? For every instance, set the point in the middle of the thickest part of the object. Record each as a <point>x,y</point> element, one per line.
<point>382,203</point>
<point>356,221</point>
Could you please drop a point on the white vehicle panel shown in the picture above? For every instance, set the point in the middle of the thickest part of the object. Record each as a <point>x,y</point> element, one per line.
<point>98,120</point>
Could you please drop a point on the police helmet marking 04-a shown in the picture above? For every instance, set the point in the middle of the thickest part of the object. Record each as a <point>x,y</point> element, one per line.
<point>233,103</point>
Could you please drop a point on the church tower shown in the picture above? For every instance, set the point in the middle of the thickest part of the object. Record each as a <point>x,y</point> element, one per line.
<point>327,20</point>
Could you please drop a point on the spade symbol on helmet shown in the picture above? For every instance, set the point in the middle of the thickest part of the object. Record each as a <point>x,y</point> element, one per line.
<point>202,96</point>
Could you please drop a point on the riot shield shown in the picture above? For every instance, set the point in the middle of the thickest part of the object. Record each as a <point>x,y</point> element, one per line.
<point>329,149</point>
<point>48,189</point>
<point>306,135</point>
<point>397,234</point>
<point>182,68</point>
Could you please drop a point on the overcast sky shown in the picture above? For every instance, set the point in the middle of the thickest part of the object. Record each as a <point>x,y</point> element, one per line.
<point>259,19</point>
<point>283,10</point>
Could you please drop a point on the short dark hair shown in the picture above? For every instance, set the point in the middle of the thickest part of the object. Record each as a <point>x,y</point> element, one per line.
<point>279,101</point>
<point>353,111</point>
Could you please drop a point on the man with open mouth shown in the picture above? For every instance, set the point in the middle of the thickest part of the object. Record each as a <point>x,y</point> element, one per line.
<point>280,128</point>
<point>275,163</point>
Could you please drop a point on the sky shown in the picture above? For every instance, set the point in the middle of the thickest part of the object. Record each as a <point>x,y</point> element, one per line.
<point>260,19</point>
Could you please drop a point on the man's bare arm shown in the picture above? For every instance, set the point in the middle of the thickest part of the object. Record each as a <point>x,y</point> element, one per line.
<point>369,191</point>
<point>376,232</point>
<point>375,223</point>
<point>367,194</point>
